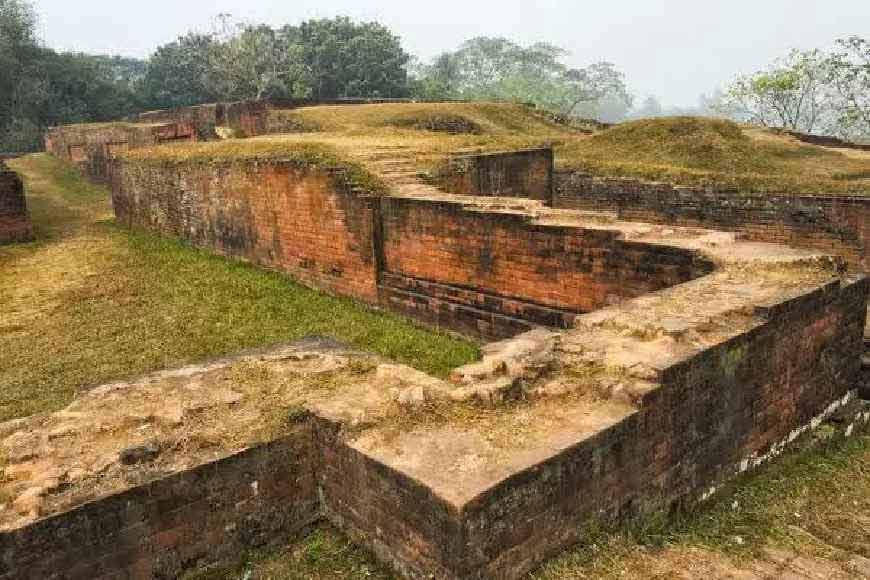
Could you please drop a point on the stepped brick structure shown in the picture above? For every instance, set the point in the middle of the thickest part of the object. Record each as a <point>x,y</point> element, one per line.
<point>638,365</point>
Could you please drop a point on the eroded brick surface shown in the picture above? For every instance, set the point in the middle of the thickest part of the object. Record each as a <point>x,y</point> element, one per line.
<point>837,224</point>
<point>527,174</point>
<point>91,148</point>
<point>15,223</point>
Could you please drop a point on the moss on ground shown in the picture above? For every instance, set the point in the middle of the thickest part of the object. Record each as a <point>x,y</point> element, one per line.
<point>89,303</point>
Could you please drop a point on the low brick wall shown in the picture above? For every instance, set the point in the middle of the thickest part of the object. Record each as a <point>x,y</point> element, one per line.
<point>208,514</point>
<point>248,118</point>
<point>723,411</point>
<point>828,141</point>
<point>527,174</point>
<point>91,148</point>
<point>486,272</point>
<point>275,214</point>
<point>838,224</point>
<point>15,223</point>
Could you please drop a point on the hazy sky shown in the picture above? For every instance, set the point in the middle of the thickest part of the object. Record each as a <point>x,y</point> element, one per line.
<point>674,49</point>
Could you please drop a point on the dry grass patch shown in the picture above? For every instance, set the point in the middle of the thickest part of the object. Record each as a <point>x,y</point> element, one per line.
<point>717,153</point>
<point>92,303</point>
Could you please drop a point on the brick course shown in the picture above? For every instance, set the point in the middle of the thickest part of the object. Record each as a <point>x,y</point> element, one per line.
<point>838,224</point>
<point>527,174</point>
<point>445,259</point>
<point>210,513</point>
<point>487,273</point>
<point>15,223</point>
<point>91,148</point>
<point>715,414</point>
<point>274,214</point>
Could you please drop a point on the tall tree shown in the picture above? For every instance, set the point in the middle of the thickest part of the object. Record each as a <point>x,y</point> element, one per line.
<point>178,72</point>
<point>341,58</point>
<point>850,76</point>
<point>500,69</point>
<point>21,82</point>
<point>793,93</point>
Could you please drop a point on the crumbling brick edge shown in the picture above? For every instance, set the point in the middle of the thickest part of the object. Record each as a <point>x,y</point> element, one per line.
<point>263,496</point>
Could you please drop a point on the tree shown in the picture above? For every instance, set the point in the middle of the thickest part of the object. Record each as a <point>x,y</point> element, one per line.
<point>600,89</point>
<point>499,69</point>
<point>20,80</point>
<point>651,107</point>
<point>849,73</point>
<point>330,58</point>
<point>791,94</point>
<point>178,73</point>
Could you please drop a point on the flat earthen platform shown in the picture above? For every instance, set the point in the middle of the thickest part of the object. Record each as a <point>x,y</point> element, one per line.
<point>648,403</point>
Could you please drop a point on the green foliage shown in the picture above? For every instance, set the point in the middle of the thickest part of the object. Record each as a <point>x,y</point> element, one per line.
<point>176,74</point>
<point>811,91</point>
<point>39,87</point>
<point>324,59</point>
<point>792,93</point>
<point>850,76</point>
<point>341,58</point>
<point>499,69</point>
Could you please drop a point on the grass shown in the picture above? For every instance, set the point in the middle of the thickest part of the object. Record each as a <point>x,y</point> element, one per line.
<point>683,150</point>
<point>90,303</point>
<point>813,502</point>
<point>715,152</point>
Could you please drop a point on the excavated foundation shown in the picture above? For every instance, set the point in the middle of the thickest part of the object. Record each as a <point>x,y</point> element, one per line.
<point>636,367</point>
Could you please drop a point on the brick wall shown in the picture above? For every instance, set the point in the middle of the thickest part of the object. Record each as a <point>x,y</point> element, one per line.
<point>724,410</point>
<point>249,118</point>
<point>739,400</point>
<point>828,141</point>
<point>490,274</point>
<point>91,148</point>
<point>15,223</point>
<point>273,214</point>
<point>481,271</point>
<point>716,413</point>
<point>527,174</point>
<point>836,224</point>
<point>207,514</point>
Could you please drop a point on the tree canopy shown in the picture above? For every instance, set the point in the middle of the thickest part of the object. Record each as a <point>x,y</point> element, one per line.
<point>499,69</point>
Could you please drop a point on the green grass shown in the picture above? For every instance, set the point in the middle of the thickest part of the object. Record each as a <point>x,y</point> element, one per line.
<point>815,501</point>
<point>90,303</point>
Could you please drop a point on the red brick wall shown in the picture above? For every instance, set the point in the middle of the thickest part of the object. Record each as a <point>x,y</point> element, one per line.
<point>837,224</point>
<point>273,214</point>
<point>713,411</point>
<point>93,147</point>
<point>716,413</point>
<point>527,174</point>
<point>14,221</point>
<point>211,513</point>
<point>496,256</point>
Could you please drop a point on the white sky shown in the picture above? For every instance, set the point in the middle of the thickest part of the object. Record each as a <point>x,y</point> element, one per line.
<point>674,49</point>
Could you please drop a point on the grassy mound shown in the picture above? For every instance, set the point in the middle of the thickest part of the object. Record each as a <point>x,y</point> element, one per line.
<point>489,118</point>
<point>717,153</point>
<point>443,123</point>
<point>307,155</point>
